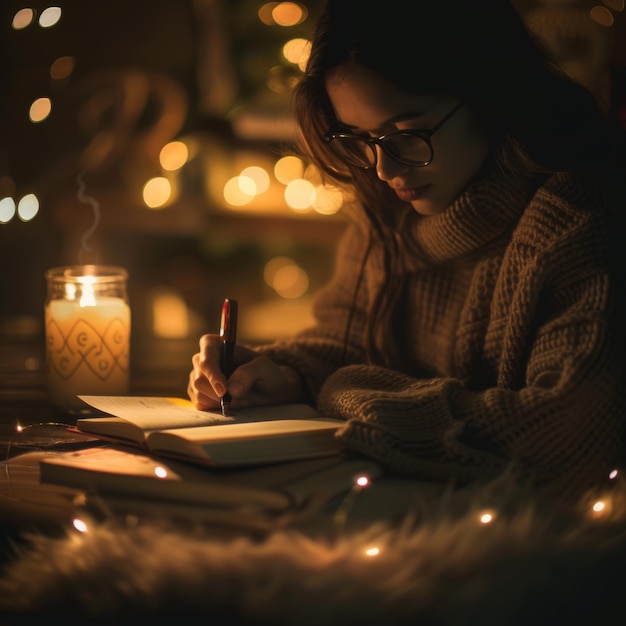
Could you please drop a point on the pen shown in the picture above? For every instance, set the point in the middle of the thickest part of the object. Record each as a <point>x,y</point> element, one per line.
<point>228,333</point>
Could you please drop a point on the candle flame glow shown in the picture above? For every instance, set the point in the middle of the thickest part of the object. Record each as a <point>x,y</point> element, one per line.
<point>88,296</point>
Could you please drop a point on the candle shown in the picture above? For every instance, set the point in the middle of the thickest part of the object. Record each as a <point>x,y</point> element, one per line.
<point>87,322</point>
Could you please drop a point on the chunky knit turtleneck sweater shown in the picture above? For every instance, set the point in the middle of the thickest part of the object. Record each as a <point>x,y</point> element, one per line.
<point>513,335</point>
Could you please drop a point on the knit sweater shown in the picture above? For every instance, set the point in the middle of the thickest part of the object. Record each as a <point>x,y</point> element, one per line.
<point>513,333</point>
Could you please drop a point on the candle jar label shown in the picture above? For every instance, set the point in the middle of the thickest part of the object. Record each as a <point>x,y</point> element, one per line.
<point>87,322</point>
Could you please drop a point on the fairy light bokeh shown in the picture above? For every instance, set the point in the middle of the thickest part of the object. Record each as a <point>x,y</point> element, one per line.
<point>184,147</point>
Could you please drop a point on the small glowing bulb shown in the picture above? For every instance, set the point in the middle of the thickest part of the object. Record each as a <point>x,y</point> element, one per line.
<point>373,551</point>
<point>79,525</point>
<point>601,508</point>
<point>486,518</point>
<point>19,428</point>
<point>160,472</point>
<point>362,481</point>
<point>613,474</point>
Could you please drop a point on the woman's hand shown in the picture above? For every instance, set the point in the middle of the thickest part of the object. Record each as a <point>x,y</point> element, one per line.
<point>256,380</point>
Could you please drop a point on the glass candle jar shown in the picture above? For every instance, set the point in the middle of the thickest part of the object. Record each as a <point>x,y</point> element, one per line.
<point>87,330</point>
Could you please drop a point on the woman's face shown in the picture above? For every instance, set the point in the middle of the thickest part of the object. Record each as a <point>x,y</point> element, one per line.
<point>367,105</point>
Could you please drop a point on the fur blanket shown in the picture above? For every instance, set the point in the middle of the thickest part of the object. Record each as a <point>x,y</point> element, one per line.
<point>526,564</point>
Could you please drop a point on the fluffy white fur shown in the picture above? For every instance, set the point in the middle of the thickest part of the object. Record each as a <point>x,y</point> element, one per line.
<point>530,565</point>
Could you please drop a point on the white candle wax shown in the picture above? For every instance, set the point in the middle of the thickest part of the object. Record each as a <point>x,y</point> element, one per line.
<point>88,349</point>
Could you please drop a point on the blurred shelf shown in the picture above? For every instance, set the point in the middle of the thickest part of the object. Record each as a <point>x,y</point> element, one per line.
<point>191,216</point>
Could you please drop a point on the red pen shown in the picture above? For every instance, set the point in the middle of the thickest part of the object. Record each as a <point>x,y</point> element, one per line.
<point>228,333</point>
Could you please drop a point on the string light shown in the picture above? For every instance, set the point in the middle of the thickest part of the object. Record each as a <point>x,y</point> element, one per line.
<point>600,509</point>
<point>486,517</point>
<point>598,506</point>
<point>80,525</point>
<point>160,471</point>
<point>341,515</point>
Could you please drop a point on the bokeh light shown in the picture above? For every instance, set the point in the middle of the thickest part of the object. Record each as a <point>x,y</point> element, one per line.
<point>62,68</point>
<point>286,277</point>
<point>7,210</point>
<point>49,17</point>
<point>259,176</point>
<point>288,168</point>
<point>300,194</point>
<point>601,15</point>
<point>297,51</point>
<point>235,193</point>
<point>288,13</point>
<point>28,207</point>
<point>23,18</point>
<point>170,317</point>
<point>173,155</point>
<point>328,200</point>
<point>40,109</point>
<point>157,192</point>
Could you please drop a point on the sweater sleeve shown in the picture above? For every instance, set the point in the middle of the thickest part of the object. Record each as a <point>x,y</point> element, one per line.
<point>407,424</point>
<point>562,426</point>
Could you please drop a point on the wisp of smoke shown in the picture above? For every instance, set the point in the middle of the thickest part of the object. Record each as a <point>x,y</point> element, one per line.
<point>86,199</point>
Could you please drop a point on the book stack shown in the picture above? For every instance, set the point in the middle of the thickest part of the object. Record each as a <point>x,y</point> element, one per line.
<point>160,458</point>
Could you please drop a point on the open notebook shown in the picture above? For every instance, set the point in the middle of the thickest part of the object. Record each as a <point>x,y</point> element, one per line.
<point>173,427</point>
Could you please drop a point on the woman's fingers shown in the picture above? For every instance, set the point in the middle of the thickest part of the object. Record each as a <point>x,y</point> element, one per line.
<point>207,383</point>
<point>199,389</point>
<point>256,380</point>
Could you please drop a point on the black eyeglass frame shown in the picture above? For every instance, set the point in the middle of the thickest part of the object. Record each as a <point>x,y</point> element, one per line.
<point>425,134</point>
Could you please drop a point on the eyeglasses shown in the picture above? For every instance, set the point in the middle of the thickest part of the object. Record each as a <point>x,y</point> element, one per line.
<point>409,147</point>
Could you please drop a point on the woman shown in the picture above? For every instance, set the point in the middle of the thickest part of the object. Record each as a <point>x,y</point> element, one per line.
<point>474,320</point>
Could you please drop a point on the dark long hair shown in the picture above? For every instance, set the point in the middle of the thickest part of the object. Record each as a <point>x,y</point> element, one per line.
<point>478,51</point>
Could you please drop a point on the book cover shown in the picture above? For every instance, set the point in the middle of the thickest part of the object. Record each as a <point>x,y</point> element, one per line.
<point>123,471</point>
